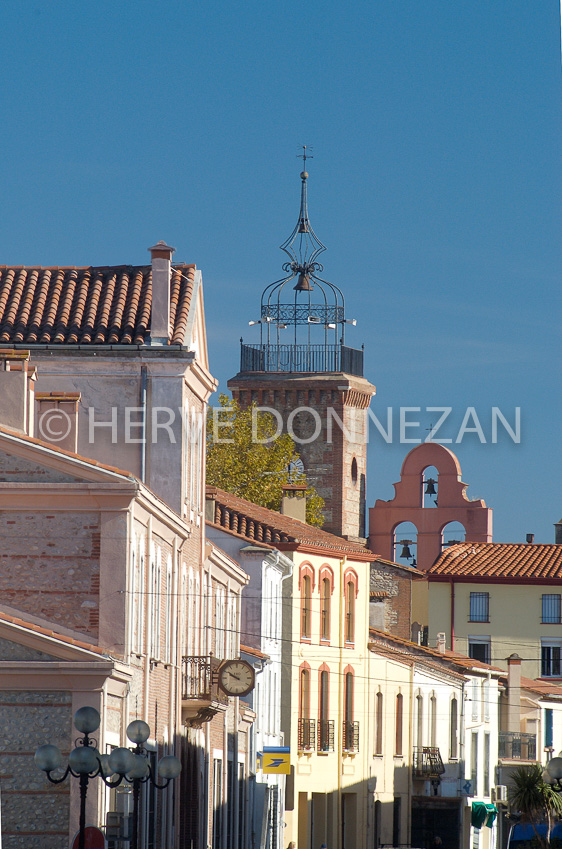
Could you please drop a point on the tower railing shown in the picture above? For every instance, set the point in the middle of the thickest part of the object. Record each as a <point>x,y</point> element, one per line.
<point>301,358</point>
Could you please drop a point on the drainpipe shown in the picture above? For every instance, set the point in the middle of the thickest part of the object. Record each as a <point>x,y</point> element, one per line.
<point>452,583</point>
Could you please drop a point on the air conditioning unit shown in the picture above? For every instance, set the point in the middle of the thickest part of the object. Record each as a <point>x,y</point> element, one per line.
<point>499,794</point>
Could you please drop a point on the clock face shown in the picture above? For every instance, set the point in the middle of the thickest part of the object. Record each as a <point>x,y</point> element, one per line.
<point>236,677</point>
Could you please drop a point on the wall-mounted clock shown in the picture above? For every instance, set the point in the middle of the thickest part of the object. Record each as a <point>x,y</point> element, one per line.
<point>236,677</point>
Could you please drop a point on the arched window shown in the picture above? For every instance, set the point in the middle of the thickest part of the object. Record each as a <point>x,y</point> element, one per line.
<point>452,533</point>
<point>349,744</point>
<point>379,701</point>
<point>305,725</point>
<point>350,594</point>
<point>429,487</point>
<point>306,606</point>
<point>419,721</point>
<point>399,723</point>
<point>432,720</point>
<point>325,607</point>
<point>325,743</point>
<point>169,624</point>
<point>453,730</point>
<point>405,544</point>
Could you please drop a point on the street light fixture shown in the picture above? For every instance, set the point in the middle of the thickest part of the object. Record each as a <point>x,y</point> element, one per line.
<point>553,773</point>
<point>85,763</point>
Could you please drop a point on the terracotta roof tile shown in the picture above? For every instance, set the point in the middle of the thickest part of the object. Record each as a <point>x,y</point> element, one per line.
<point>87,306</point>
<point>506,561</point>
<point>259,524</point>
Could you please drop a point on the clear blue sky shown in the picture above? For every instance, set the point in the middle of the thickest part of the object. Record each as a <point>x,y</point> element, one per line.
<point>436,186</point>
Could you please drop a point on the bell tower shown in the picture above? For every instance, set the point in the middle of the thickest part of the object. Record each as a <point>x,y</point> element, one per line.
<point>303,370</point>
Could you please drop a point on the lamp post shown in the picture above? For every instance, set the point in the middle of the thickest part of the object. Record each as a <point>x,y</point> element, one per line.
<point>553,773</point>
<point>85,763</point>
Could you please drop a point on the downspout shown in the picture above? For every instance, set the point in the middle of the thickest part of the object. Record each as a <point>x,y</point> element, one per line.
<point>411,750</point>
<point>144,381</point>
<point>452,584</point>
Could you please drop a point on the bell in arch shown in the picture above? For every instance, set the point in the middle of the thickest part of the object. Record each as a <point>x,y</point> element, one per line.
<point>430,488</point>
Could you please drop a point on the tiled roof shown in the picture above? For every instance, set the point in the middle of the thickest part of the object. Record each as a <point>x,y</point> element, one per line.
<point>408,646</point>
<point>87,306</point>
<point>46,632</point>
<point>256,523</point>
<point>509,561</point>
<point>544,688</point>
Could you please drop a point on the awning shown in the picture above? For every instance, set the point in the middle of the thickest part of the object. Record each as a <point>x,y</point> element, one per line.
<point>483,813</point>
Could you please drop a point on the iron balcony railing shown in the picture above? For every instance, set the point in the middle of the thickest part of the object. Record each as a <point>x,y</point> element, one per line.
<point>307,735</point>
<point>514,745</point>
<point>200,679</point>
<point>351,736</point>
<point>301,358</point>
<point>325,735</point>
<point>427,762</point>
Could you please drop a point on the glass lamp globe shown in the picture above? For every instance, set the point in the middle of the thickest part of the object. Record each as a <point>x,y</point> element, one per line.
<point>86,720</point>
<point>555,767</point>
<point>121,760</point>
<point>106,770</point>
<point>138,731</point>
<point>48,757</point>
<point>83,760</point>
<point>139,768</point>
<point>547,777</point>
<point>169,767</point>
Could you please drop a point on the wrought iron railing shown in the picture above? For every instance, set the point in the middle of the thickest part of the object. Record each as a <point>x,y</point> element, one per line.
<point>427,762</point>
<point>307,735</point>
<point>325,735</point>
<point>350,736</point>
<point>517,746</point>
<point>301,358</point>
<point>200,678</point>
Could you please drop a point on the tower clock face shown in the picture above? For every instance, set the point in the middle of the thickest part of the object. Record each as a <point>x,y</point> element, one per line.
<point>236,677</point>
<point>296,468</point>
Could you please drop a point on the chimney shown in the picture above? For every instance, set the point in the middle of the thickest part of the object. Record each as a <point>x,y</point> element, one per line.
<point>514,693</point>
<point>161,254</point>
<point>17,402</point>
<point>558,532</point>
<point>441,642</point>
<point>529,538</point>
<point>57,419</point>
<point>293,501</point>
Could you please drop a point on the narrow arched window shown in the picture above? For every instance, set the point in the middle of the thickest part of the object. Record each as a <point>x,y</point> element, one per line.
<point>325,598</point>
<point>379,724</point>
<point>433,721</point>
<point>453,730</point>
<point>349,612</point>
<point>399,721</point>
<point>306,606</point>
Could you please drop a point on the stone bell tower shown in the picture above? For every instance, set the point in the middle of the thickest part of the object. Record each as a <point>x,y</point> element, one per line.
<point>303,370</point>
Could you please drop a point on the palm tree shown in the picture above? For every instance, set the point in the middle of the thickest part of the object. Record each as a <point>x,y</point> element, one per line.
<point>535,800</point>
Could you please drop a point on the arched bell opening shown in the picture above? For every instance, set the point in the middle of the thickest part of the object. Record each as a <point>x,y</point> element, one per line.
<point>429,486</point>
<point>451,534</point>
<point>405,544</point>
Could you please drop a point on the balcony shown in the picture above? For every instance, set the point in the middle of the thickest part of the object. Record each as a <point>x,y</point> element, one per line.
<point>350,736</point>
<point>516,746</point>
<point>307,735</point>
<point>201,696</point>
<point>427,762</point>
<point>325,735</point>
<point>301,358</point>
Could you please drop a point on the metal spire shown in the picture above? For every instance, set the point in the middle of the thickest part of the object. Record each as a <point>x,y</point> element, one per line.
<point>303,245</point>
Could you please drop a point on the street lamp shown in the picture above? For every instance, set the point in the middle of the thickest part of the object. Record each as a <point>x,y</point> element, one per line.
<point>85,763</point>
<point>553,773</point>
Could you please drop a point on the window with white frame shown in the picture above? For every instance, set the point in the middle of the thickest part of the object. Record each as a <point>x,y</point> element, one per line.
<point>475,698</point>
<point>433,720</point>
<point>197,614</point>
<point>220,621</point>
<point>479,648</point>
<point>169,625</point>
<point>486,699</point>
<point>453,729</point>
<point>192,459</point>
<point>419,722</point>
<point>157,592</point>
<point>151,600</point>
<point>184,603</point>
<point>550,658</point>
<point>185,453</point>
<point>551,608</point>
<point>199,464</point>
<point>138,617</point>
<point>191,614</point>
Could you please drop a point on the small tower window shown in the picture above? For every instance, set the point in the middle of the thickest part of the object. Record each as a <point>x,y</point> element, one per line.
<point>354,472</point>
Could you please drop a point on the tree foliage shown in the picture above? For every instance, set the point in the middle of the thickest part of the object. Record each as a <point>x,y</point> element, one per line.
<point>247,458</point>
<point>535,800</point>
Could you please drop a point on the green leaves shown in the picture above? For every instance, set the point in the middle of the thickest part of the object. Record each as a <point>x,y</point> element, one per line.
<point>535,799</point>
<point>247,457</point>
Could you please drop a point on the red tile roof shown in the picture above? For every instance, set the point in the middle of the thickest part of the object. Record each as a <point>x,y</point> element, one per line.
<point>259,524</point>
<point>87,306</point>
<point>497,560</point>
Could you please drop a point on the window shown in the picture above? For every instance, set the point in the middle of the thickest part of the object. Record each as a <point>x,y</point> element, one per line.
<point>325,599</point>
<point>419,722</point>
<point>479,607</point>
<point>324,730</point>
<point>399,723</point>
<point>306,605</point>
<point>551,608</point>
<point>453,730</point>
<point>432,721</point>
<point>479,648</point>
<point>348,725</point>
<point>169,629</point>
<point>475,699</point>
<point>349,612</point>
<point>304,700</point>
<point>217,803</point>
<point>486,699</point>
<point>379,723</point>
<point>548,716</point>
<point>486,764</point>
<point>550,658</point>
<point>474,763</point>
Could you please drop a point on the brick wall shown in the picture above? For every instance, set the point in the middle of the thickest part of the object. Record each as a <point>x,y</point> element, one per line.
<point>395,618</point>
<point>49,567</point>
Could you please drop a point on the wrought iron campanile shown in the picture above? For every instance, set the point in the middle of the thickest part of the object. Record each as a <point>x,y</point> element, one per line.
<point>302,368</point>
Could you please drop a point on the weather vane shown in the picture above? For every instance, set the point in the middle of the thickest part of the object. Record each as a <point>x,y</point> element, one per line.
<point>304,156</point>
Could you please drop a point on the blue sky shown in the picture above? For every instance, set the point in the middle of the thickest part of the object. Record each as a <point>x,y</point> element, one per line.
<point>435,184</point>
